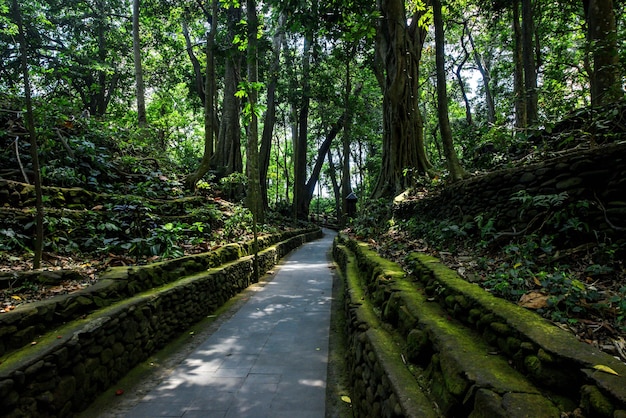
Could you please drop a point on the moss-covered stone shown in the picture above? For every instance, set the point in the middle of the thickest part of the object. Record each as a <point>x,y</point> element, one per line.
<point>524,405</point>
<point>594,403</point>
<point>416,343</point>
<point>500,328</point>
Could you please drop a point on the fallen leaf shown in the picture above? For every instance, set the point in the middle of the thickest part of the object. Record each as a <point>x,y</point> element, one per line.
<point>605,369</point>
<point>16,297</point>
<point>346,399</point>
<point>119,392</point>
<point>534,300</point>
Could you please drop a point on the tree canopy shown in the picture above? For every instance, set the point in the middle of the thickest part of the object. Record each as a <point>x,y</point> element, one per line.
<point>350,93</point>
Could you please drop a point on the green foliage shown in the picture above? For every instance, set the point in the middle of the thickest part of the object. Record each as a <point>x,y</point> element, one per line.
<point>234,185</point>
<point>239,222</point>
<point>373,220</point>
<point>13,241</point>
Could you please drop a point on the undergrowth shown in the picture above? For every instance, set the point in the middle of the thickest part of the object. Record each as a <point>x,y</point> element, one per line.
<point>557,266</point>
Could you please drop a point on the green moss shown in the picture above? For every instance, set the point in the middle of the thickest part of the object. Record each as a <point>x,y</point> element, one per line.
<point>595,403</point>
<point>416,343</point>
<point>500,328</point>
<point>533,366</point>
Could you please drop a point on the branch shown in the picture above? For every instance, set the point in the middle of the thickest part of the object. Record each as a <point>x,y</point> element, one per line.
<point>606,218</point>
<point>64,142</point>
<point>19,161</point>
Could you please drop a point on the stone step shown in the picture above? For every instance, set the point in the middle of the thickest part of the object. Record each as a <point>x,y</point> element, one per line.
<point>471,353</point>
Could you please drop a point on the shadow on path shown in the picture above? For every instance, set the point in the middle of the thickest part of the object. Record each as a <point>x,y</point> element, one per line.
<point>266,357</point>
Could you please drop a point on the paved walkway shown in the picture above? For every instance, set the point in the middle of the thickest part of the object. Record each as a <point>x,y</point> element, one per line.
<point>269,359</point>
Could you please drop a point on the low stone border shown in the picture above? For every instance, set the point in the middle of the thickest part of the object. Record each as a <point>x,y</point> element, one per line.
<point>21,326</point>
<point>70,366</point>
<point>470,353</point>
<point>551,357</point>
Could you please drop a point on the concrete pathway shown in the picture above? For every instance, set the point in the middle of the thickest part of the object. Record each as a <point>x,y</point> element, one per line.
<point>269,359</point>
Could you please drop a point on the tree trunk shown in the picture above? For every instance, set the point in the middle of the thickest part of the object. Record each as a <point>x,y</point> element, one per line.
<point>602,35</point>
<point>270,114</point>
<point>336,189</point>
<point>530,70</point>
<point>254,196</point>
<point>346,186</point>
<point>199,80</point>
<point>454,166</point>
<point>141,96</point>
<point>459,69</point>
<point>400,48</point>
<point>485,74</point>
<point>34,150</point>
<point>209,104</point>
<point>300,147</point>
<point>521,120</point>
<point>227,158</point>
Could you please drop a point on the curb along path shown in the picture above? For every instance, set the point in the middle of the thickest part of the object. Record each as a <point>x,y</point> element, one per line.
<point>269,359</point>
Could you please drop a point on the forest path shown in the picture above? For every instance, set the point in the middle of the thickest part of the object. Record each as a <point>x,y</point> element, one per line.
<point>269,359</point>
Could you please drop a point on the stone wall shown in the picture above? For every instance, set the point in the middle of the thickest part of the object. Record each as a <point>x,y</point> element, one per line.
<point>21,326</point>
<point>597,175</point>
<point>70,366</point>
<point>429,339</point>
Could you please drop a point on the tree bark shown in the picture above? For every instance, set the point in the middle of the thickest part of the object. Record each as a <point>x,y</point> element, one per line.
<point>521,121</point>
<point>339,124</point>
<point>602,35</point>
<point>34,149</point>
<point>454,166</point>
<point>227,158</point>
<point>346,186</point>
<point>459,69</point>
<point>530,70</point>
<point>141,95</point>
<point>197,70</point>
<point>399,46</point>
<point>270,114</point>
<point>300,147</point>
<point>485,74</point>
<point>209,103</point>
<point>332,172</point>
<point>254,196</point>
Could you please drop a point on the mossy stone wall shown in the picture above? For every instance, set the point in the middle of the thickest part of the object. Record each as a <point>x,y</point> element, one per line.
<point>596,175</point>
<point>71,365</point>
<point>20,327</point>
<point>471,353</point>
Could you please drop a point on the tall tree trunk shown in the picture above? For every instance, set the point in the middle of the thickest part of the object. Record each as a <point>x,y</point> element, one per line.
<point>346,186</point>
<point>300,147</point>
<point>485,74</point>
<point>332,172</point>
<point>34,150</point>
<point>454,166</point>
<point>530,70</point>
<point>209,103</point>
<point>254,196</point>
<point>141,96</point>
<point>227,158</point>
<point>336,127</point>
<point>521,121</point>
<point>197,70</point>
<point>602,35</point>
<point>270,114</point>
<point>400,48</point>
<point>459,69</point>
<point>100,102</point>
